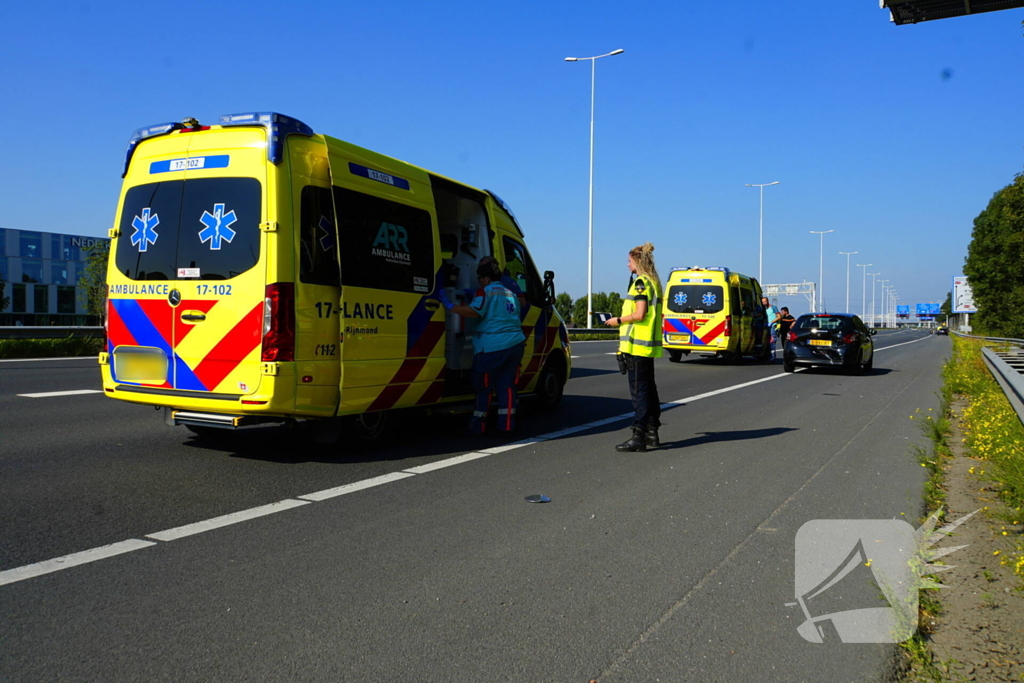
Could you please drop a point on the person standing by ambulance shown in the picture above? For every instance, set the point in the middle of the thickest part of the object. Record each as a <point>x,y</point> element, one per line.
<point>498,345</point>
<point>773,321</point>
<point>639,344</point>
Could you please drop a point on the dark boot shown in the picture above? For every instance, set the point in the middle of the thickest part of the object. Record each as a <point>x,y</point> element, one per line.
<point>635,444</point>
<point>651,437</point>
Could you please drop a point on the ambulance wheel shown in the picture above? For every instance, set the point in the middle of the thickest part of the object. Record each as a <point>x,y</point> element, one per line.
<point>551,383</point>
<point>675,355</point>
<point>371,426</point>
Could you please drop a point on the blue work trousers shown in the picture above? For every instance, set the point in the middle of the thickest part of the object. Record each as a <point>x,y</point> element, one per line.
<point>644,390</point>
<point>496,372</point>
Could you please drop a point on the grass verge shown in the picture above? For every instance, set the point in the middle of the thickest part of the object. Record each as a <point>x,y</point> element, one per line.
<point>50,348</point>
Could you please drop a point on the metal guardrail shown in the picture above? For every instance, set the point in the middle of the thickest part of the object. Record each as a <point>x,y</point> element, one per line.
<point>48,332</point>
<point>1007,367</point>
<point>610,331</point>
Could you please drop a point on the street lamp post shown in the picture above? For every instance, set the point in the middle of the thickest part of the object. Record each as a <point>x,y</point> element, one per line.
<point>821,268</point>
<point>590,242</point>
<point>864,290</point>
<point>847,309</point>
<point>881,312</point>
<point>874,321</point>
<point>760,230</point>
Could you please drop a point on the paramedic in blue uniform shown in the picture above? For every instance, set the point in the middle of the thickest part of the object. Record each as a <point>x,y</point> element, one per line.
<point>498,345</point>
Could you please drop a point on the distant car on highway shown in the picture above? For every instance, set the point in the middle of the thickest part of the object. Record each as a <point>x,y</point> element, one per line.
<point>837,340</point>
<point>942,329</point>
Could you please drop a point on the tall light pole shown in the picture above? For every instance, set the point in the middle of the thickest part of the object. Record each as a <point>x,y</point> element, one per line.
<point>881,312</point>
<point>821,267</point>
<point>590,243</point>
<point>864,291</point>
<point>760,231</point>
<point>847,309</point>
<point>874,321</point>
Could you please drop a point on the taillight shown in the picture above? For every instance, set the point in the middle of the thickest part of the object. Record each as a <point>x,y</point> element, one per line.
<point>791,336</point>
<point>279,322</point>
<point>849,338</point>
<point>728,325</point>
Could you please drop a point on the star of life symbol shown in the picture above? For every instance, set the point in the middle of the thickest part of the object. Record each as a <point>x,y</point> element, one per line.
<point>327,236</point>
<point>510,306</point>
<point>145,229</point>
<point>709,299</point>
<point>857,580</point>
<point>680,299</point>
<point>218,226</point>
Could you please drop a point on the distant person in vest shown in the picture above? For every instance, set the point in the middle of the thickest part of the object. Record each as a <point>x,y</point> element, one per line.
<point>639,344</point>
<point>498,345</point>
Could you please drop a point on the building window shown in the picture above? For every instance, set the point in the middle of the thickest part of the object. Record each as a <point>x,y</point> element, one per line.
<point>3,242</point>
<point>41,298</point>
<point>65,299</point>
<point>31,244</point>
<point>4,273</point>
<point>31,270</point>
<point>60,272</point>
<point>18,298</point>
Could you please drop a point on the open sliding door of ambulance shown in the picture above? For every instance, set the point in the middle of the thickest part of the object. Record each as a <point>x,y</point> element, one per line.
<point>191,267</point>
<point>392,326</point>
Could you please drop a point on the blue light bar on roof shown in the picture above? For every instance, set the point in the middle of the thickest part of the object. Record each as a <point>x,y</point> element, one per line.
<point>278,128</point>
<point>143,133</point>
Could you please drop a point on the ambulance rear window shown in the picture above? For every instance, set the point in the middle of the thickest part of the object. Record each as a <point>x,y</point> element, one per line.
<point>699,298</point>
<point>203,228</point>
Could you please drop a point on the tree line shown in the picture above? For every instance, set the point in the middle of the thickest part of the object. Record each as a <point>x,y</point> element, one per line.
<point>574,313</point>
<point>995,264</point>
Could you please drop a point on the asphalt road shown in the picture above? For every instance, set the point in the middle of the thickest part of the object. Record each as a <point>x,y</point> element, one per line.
<point>672,565</point>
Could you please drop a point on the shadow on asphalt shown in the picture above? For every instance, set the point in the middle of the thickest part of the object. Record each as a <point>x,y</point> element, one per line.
<point>414,436</point>
<point>713,437</point>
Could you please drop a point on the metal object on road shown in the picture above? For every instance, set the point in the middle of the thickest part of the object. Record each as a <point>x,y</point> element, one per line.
<point>537,498</point>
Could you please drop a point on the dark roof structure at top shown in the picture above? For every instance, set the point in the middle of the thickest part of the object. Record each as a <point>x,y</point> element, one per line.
<point>913,11</point>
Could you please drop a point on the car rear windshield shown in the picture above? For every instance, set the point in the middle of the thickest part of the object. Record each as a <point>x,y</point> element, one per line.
<point>695,298</point>
<point>814,322</point>
<point>204,228</point>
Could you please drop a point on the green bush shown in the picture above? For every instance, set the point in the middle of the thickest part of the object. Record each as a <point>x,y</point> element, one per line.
<point>50,348</point>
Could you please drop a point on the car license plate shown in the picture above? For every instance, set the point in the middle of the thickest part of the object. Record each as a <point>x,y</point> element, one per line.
<point>820,342</point>
<point>679,338</point>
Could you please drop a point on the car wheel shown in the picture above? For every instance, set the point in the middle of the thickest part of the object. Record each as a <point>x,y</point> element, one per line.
<point>870,364</point>
<point>551,383</point>
<point>788,367</point>
<point>371,426</point>
<point>858,367</point>
<point>675,355</point>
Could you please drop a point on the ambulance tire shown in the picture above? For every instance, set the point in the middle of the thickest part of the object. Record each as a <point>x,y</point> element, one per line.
<point>551,384</point>
<point>675,355</point>
<point>371,426</point>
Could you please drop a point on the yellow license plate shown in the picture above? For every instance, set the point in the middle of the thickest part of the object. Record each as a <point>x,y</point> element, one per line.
<point>679,338</point>
<point>820,342</point>
<point>140,364</point>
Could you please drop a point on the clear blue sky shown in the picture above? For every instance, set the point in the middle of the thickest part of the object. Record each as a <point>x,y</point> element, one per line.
<point>895,137</point>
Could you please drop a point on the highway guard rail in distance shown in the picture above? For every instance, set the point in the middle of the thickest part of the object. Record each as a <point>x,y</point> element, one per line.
<point>609,331</point>
<point>1007,366</point>
<point>48,332</point>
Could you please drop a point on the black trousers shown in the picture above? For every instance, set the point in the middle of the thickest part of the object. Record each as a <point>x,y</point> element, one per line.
<point>644,390</point>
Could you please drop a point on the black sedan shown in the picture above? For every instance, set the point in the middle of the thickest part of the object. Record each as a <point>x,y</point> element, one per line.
<point>836,340</point>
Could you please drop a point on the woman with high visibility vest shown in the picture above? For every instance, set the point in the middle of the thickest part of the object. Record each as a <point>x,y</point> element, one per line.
<point>639,344</point>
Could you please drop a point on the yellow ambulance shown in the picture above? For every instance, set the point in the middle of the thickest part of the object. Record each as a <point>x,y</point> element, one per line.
<point>261,272</point>
<point>714,312</point>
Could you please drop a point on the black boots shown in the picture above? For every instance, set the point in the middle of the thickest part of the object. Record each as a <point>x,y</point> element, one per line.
<point>637,443</point>
<point>651,437</point>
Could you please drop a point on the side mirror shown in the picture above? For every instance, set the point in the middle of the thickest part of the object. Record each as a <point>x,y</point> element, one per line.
<point>874,331</point>
<point>549,288</point>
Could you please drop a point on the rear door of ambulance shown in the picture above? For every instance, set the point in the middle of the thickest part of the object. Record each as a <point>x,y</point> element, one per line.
<point>188,274</point>
<point>696,303</point>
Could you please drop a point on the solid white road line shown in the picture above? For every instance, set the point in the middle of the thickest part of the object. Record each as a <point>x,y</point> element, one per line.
<point>233,518</point>
<point>40,568</point>
<point>75,392</point>
<point>34,360</point>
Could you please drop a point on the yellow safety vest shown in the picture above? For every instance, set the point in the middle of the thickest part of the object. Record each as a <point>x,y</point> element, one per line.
<point>642,338</point>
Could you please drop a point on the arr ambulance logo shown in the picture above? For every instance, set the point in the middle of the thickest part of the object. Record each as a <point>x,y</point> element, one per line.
<point>392,242</point>
<point>857,580</point>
